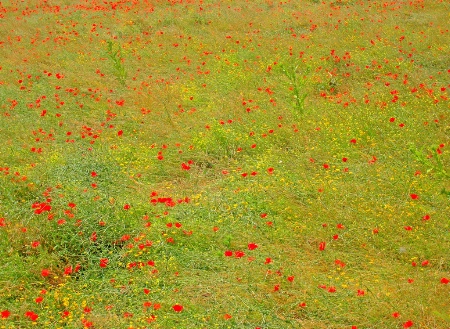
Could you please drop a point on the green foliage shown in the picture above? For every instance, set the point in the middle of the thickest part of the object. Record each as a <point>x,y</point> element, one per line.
<point>297,77</point>
<point>262,164</point>
<point>114,53</point>
<point>432,160</point>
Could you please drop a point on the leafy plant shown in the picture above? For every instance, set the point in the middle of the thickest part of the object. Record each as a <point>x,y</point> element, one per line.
<point>114,53</point>
<point>432,162</point>
<point>297,83</point>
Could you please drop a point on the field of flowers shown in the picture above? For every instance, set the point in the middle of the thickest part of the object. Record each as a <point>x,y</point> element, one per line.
<point>225,164</point>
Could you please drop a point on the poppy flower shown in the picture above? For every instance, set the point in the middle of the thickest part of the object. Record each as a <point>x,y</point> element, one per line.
<point>408,324</point>
<point>239,254</point>
<point>103,262</point>
<point>252,246</point>
<point>31,315</point>
<point>445,281</point>
<point>5,314</point>
<point>177,308</point>
<point>322,246</point>
<point>414,196</point>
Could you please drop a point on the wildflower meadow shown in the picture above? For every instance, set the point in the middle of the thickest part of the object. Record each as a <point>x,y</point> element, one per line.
<point>225,164</point>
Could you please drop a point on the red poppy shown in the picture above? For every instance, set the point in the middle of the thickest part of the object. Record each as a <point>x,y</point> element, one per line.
<point>252,246</point>
<point>322,246</point>
<point>408,324</point>
<point>68,270</point>
<point>45,272</point>
<point>414,196</point>
<point>445,281</point>
<point>31,315</point>
<point>5,314</point>
<point>177,307</point>
<point>239,254</point>
<point>103,262</point>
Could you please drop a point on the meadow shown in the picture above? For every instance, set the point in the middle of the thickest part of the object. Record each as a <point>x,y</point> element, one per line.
<point>225,164</point>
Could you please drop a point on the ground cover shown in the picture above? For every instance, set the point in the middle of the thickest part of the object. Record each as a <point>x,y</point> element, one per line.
<point>224,164</point>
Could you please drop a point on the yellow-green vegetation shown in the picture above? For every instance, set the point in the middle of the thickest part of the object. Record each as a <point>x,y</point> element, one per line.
<point>224,164</point>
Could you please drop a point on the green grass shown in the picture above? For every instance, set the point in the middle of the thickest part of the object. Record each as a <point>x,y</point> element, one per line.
<point>165,136</point>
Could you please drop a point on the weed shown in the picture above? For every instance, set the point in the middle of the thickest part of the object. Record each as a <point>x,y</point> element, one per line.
<point>114,53</point>
<point>297,81</point>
